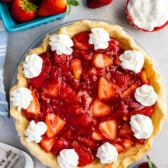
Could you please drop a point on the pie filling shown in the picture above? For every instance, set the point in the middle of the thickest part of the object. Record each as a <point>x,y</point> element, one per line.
<point>89,101</point>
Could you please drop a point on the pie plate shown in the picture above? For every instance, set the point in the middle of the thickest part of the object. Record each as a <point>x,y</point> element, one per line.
<point>12,26</point>
<point>38,42</point>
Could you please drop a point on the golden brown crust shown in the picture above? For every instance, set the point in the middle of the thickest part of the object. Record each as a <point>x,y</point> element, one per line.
<point>126,42</point>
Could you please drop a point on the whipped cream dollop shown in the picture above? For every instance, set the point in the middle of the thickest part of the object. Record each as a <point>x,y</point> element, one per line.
<point>142,126</point>
<point>132,60</point>
<point>146,95</point>
<point>21,98</point>
<point>68,158</point>
<point>61,43</point>
<point>32,66</point>
<point>35,131</point>
<point>99,37</point>
<point>107,153</point>
<point>148,14</point>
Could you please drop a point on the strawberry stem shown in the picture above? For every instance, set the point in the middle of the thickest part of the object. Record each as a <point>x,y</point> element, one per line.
<point>71,3</point>
<point>150,163</point>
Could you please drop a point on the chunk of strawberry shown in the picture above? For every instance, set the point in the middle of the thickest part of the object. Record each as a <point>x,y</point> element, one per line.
<point>34,107</point>
<point>145,111</point>
<point>123,79</point>
<point>114,47</point>
<point>81,41</point>
<point>76,68</point>
<point>102,60</point>
<point>125,131</point>
<point>143,77</point>
<point>109,129</point>
<point>85,154</point>
<point>38,81</point>
<point>127,143</point>
<point>130,91</point>
<point>99,109</point>
<point>54,124</point>
<point>105,89</point>
<point>97,136</point>
<point>47,143</point>
<point>60,143</point>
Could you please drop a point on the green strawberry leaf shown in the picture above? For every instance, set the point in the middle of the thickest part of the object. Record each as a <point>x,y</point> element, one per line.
<point>71,3</point>
<point>150,163</point>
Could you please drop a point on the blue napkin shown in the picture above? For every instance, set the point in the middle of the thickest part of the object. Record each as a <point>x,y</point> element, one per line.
<point>3,47</point>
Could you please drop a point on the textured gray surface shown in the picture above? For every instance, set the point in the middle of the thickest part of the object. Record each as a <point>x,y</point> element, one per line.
<point>156,44</point>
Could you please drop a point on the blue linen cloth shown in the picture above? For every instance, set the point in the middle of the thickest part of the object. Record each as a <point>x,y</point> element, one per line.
<point>3,47</point>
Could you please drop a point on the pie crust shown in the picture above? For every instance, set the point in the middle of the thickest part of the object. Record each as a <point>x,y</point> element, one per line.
<point>127,43</point>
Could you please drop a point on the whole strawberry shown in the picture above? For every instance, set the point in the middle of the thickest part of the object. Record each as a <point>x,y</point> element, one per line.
<point>97,3</point>
<point>23,10</point>
<point>147,164</point>
<point>52,7</point>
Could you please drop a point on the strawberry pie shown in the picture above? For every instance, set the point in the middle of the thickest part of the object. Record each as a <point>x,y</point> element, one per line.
<point>88,96</point>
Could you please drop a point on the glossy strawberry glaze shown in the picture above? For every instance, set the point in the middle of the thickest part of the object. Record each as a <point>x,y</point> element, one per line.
<point>71,100</point>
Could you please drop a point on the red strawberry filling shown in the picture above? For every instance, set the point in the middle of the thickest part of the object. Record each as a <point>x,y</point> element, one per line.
<point>86,99</point>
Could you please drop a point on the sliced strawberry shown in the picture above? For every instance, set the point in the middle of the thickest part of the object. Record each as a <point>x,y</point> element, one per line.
<point>34,107</point>
<point>145,111</point>
<point>54,124</point>
<point>119,147</point>
<point>76,68</point>
<point>47,143</point>
<point>125,131</point>
<point>102,60</point>
<point>130,91</point>
<point>85,154</point>
<point>105,89</point>
<point>99,109</point>
<point>123,79</point>
<point>60,143</point>
<point>109,129</point>
<point>38,81</point>
<point>81,41</point>
<point>97,3</point>
<point>143,77</point>
<point>97,136</point>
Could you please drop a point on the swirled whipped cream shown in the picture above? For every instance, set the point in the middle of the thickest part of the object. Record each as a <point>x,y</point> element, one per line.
<point>61,43</point>
<point>32,66</point>
<point>35,131</point>
<point>99,37</point>
<point>21,98</point>
<point>68,158</point>
<point>146,95</point>
<point>132,60</point>
<point>142,126</point>
<point>107,153</point>
<point>148,14</point>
